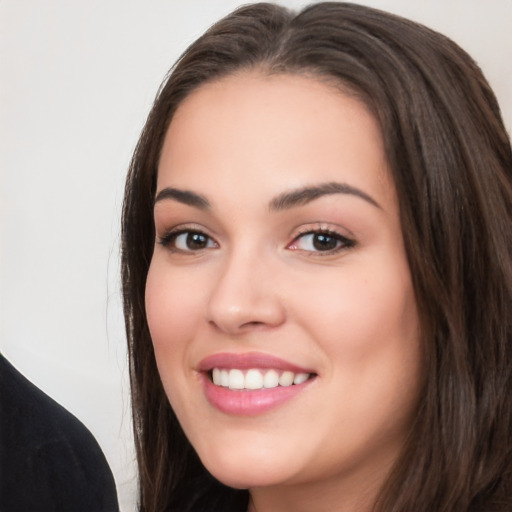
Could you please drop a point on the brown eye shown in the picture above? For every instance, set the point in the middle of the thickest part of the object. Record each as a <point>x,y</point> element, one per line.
<point>321,241</point>
<point>188,241</point>
<point>196,241</point>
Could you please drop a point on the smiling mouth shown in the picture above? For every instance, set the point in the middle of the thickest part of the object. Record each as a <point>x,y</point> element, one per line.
<point>256,379</point>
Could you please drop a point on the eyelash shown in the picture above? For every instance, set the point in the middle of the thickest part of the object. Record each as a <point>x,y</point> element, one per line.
<point>170,238</point>
<point>342,242</point>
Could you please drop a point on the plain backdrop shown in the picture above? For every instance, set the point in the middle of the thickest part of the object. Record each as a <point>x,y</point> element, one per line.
<point>76,82</point>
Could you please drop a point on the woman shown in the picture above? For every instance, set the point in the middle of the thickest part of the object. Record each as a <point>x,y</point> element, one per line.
<point>316,268</point>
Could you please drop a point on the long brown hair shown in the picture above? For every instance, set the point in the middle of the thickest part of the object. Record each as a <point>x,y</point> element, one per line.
<point>451,161</point>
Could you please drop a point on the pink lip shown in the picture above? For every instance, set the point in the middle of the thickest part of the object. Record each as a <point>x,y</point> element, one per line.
<point>248,360</point>
<point>248,402</point>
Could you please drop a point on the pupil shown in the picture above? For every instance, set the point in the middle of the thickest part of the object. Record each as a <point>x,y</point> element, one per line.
<point>324,242</point>
<point>196,241</point>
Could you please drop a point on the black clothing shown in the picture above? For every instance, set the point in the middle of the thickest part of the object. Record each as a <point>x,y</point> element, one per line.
<point>49,461</point>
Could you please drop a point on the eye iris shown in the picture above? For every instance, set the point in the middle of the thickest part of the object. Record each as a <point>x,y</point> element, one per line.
<point>322,242</point>
<point>196,241</point>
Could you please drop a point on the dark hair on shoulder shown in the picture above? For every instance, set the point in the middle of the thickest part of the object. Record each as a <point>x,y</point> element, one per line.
<point>451,162</point>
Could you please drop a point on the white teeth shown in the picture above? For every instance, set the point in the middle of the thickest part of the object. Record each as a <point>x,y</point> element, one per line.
<point>286,379</point>
<point>253,380</point>
<point>271,379</point>
<point>300,378</point>
<point>256,379</point>
<point>236,379</point>
<point>224,378</point>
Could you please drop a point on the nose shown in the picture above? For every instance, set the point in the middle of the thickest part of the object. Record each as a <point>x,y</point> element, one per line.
<point>245,296</point>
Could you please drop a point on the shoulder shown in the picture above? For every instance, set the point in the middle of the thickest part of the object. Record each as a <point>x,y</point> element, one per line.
<point>50,460</point>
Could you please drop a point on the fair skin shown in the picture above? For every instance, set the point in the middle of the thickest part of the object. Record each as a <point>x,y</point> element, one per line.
<point>279,250</point>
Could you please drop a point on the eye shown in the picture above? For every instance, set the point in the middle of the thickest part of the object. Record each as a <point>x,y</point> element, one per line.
<point>321,241</point>
<point>188,241</point>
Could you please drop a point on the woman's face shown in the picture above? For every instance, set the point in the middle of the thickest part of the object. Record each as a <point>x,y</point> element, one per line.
<point>279,258</point>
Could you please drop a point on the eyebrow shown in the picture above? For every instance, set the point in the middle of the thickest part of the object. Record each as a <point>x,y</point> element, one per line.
<point>307,194</point>
<point>183,196</point>
<point>284,201</point>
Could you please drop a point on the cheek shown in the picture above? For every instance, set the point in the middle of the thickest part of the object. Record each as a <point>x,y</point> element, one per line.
<point>363,314</point>
<point>367,326</point>
<point>172,309</point>
<point>172,312</point>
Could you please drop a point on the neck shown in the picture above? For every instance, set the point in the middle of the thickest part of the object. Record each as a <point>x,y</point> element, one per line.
<point>355,493</point>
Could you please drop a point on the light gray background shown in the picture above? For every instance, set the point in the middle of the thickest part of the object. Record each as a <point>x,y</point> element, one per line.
<point>76,82</point>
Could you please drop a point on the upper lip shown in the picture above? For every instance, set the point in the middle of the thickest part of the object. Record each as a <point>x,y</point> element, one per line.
<point>247,360</point>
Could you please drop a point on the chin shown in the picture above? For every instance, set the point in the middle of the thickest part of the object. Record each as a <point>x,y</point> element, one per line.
<point>245,474</point>
<point>243,479</point>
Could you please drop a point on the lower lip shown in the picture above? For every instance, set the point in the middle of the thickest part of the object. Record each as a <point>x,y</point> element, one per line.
<point>250,402</point>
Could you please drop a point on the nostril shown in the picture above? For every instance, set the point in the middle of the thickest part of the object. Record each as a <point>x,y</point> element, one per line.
<point>242,327</point>
<point>252,324</point>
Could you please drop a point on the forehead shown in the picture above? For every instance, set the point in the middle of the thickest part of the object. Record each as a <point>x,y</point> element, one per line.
<point>254,126</point>
<point>271,98</point>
